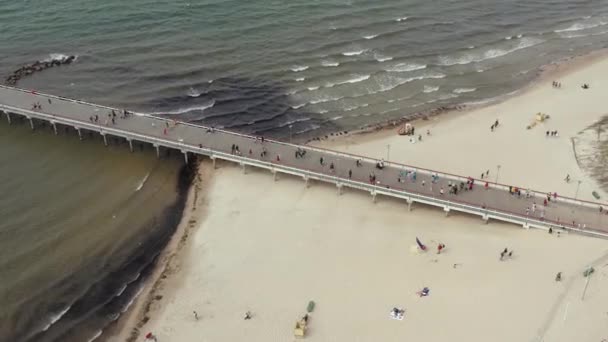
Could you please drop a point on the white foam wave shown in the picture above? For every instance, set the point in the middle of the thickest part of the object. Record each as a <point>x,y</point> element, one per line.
<point>325,99</point>
<point>488,54</point>
<point>122,289</point>
<point>509,37</point>
<point>313,88</point>
<point>142,182</point>
<point>203,107</point>
<point>55,318</point>
<point>447,96</point>
<point>323,111</point>
<point>58,57</point>
<point>422,77</point>
<point>520,35</point>
<point>464,90</point>
<point>581,26</point>
<point>430,89</point>
<point>351,108</point>
<point>336,118</point>
<point>329,63</point>
<point>298,106</point>
<point>404,67</point>
<point>355,79</point>
<point>128,305</point>
<point>401,19</point>
<point>299,68</point>
<point>354,53</point>
<point>95,336</point>
<point>371,36</point>
<point>193,92</point>
<point>300,79</point>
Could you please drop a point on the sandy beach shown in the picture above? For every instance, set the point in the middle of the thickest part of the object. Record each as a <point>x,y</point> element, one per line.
<point>270,247</point>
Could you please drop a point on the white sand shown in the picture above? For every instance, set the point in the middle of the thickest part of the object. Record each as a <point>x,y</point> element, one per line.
<point>462,143</point>
<point>270,247</point>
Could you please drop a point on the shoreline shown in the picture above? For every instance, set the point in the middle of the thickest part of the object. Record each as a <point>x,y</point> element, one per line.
<point>129,325</point>
<point>555,70</point>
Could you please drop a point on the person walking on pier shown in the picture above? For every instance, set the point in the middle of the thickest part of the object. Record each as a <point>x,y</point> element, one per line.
<point>350,176</point>
<point>321,161</point>
<point>331,167</point>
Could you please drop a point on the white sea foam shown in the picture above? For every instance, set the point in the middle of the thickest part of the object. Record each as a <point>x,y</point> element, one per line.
<point>464,90</point>
<point>355,79</point>
<point>313,88</point>
<point>142,182</point>
<point>404,67</point>
<point>371,36</point>
<point>95,336</point>
<point>354,53</point>
<point>488,54</point>
<point>203,107</point>
<point>447,96</point>
<point>325,99</point>
<point>380,58</point>
<point>430,89</point>
<point>326,63</point>
<point>58,57</point>
<point>322,111</point>
<point>336,118</point>
<point>193,92</point>
<point>351,108</point>
<point>55,318</point>
<point>582,26</point>
<point>300,79</point>
<point>520,35</point>
<point>401,19</point>
<point>299,68</point>
<point>298,106</point>
<point>508,37</point>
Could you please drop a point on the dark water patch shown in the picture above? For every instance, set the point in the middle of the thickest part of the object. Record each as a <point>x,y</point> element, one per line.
<point>38,66</point>
<point>105,300</point>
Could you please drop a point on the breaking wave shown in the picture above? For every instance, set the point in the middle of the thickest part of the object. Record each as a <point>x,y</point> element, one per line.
<point>581,26</point>
<point>430,89</point>
<point>329,63</point>
<point>203,107</point>
<point>353,53</point>
<point>299,68</point>
<point>464,90</point>
<point>488,54</point>
<point>404,67</point>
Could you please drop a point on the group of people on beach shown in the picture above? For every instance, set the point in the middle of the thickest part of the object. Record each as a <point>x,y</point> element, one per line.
<point>505,253</point>
<point>485,174</point>
<point>551,134</point>
<point>557,84</point>
<point>494,125</point>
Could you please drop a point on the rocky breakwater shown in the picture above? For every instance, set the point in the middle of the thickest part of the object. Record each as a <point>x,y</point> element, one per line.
<point>37,66</point>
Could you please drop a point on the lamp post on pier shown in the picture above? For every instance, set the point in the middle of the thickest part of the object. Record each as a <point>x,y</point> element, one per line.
<point>497,173</point>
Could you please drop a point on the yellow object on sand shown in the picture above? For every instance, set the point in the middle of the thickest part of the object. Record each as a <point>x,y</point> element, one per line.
<point>300,329</point>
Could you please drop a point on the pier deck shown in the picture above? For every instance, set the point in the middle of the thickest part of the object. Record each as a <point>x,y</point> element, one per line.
<point>493,202</point>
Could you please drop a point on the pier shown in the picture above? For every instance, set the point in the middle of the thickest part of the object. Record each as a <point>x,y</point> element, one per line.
<point>490,202</point>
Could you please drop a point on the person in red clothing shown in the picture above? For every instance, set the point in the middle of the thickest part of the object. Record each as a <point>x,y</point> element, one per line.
<point>440,247</point>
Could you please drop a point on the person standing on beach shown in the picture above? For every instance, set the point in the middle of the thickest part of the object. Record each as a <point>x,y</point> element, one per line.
<point>195,315</point>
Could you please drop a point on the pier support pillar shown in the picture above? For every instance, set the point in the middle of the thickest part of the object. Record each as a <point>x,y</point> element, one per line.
<point>54,127</point>
<point>526,225</point>
<point>274,174</point>
<point>485,219</point>
<point>185,156</point>
<point>79,133</point>
<point>130,144</point>
<point>8,117</point>
<point>31,123</point>
<point>105,140</point>
<point>243,167</point>
<point>157,151</point>
<point>447,211</point>
<point>409,205</point>
<point>339,185</point>
<point>373,196</point>
<point>213,161</point>
<point>306,182</point>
